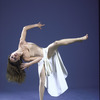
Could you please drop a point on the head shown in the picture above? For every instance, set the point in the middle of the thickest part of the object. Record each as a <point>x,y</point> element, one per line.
<point>14,72</point>
<point>15,56</point>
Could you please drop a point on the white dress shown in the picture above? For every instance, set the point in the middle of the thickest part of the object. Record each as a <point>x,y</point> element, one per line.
<point>55,73</point>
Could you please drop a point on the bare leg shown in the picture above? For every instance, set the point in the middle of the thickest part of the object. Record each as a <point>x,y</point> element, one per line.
<point>42,83</point>
<point>72,40</point>
<point>52,47</point>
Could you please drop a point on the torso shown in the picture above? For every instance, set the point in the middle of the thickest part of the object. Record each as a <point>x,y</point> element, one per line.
<point>30,50</point>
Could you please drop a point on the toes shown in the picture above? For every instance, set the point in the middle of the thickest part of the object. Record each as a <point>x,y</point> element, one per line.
<point>86,36</point>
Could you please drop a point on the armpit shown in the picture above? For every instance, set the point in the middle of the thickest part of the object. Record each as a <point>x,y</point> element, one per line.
<point>22,42</point>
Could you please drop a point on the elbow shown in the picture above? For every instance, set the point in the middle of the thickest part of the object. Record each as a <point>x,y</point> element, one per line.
<point>25,28</point>
<point>40,58</point>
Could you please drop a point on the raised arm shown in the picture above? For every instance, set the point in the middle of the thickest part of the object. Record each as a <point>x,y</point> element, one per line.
<point>25,28</point>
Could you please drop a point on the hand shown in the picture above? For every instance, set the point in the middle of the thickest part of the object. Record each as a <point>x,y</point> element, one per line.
<point>39,25</point>
<point>24,65</point>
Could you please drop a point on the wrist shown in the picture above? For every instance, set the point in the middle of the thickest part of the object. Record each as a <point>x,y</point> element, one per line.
<point>35,25</point>
<point>27,65</point>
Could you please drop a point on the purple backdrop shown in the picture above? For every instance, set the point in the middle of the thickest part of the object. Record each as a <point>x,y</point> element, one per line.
<point>62,19</point>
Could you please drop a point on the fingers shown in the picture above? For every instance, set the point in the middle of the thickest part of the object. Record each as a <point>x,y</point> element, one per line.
<point>40,25</point>
<point>40,28</point>
<point>43,24</point>
<point>22,66</point>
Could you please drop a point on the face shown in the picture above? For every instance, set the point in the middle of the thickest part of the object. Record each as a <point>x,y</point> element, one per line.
<point>14,57</point>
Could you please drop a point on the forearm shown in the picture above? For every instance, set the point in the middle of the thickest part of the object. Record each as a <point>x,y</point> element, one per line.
<point>39,25</point>
<point>34,61</point>
<point>24,31</point>
<point>30,26</point>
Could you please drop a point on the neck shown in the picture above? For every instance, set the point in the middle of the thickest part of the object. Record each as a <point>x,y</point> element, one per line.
<point>19,51</point>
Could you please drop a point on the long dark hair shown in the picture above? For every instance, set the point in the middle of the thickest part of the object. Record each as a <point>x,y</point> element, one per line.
<point>14,72</point>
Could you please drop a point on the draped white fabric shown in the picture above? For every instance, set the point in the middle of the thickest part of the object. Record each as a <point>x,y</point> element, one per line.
<point>55,73</point>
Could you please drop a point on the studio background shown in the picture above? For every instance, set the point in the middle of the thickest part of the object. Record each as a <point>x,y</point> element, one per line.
<point>62,19</point>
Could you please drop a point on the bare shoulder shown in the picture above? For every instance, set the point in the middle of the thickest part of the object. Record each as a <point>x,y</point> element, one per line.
<point>31,44</point>
<point>22,42</point>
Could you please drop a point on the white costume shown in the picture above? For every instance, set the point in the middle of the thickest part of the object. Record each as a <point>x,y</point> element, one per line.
<point>55,73</point>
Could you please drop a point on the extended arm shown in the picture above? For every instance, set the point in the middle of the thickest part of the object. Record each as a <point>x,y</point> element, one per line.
<point>32,60</point>
<point>25,28</point>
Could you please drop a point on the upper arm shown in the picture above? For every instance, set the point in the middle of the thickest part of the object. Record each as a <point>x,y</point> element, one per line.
<point>23,34</point>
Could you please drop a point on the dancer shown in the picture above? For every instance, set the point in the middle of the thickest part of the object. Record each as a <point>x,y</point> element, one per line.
<point>52,72</point>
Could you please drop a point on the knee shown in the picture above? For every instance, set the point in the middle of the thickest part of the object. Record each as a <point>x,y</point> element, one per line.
<point>42,82</point>
<point>56,43</point>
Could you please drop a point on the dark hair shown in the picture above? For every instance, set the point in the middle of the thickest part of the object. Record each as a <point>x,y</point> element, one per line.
<point>14,72</point>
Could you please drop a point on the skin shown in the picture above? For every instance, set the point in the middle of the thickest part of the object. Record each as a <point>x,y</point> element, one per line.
<point>33,54</point>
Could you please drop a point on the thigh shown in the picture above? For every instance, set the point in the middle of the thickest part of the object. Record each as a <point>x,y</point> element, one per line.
<point>52,48</point>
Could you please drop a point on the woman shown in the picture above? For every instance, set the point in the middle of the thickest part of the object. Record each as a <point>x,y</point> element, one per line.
<point>52,72</point>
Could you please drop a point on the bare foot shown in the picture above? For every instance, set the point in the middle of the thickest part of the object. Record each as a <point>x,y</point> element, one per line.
<point>85,37</point>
